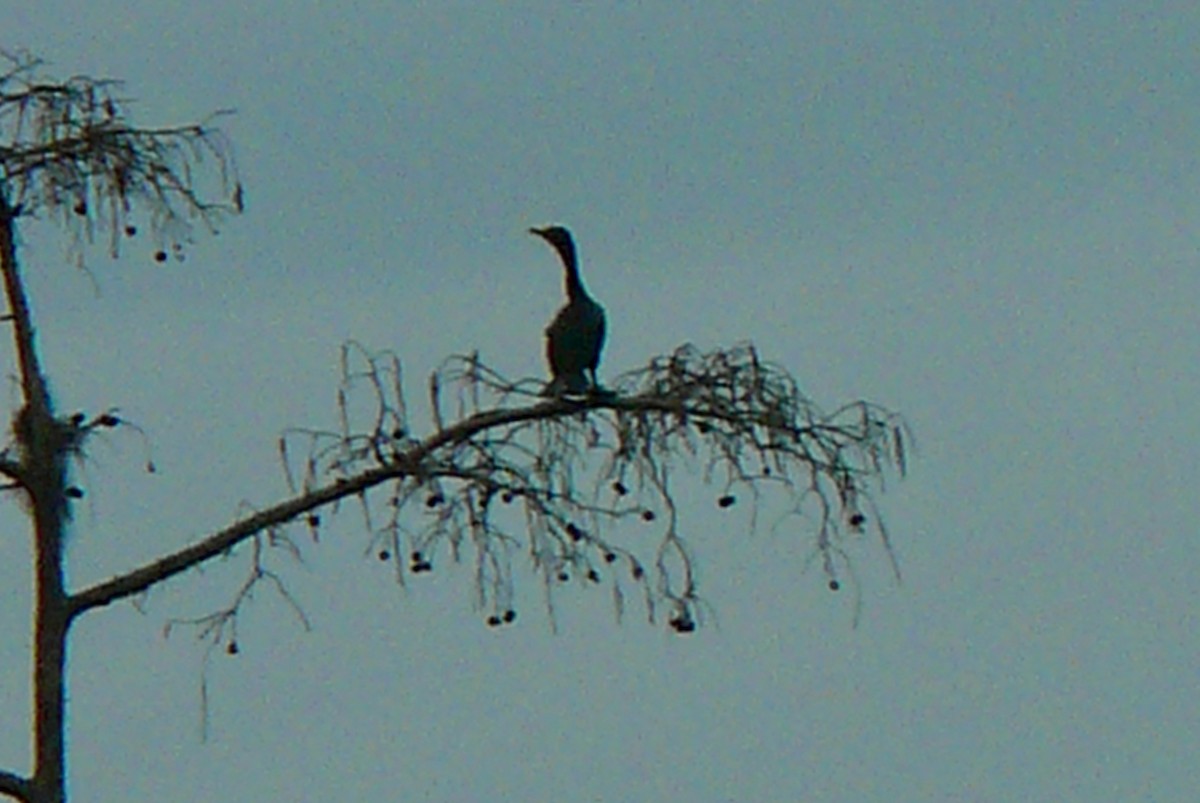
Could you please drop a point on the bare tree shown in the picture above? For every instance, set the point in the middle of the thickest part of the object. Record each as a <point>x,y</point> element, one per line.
<point>502,472</point>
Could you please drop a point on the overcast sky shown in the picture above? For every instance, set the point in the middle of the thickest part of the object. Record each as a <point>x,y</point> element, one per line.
<point>983,215</point>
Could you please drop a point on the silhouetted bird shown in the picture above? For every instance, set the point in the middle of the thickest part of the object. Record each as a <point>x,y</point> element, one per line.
<point>575,337</point>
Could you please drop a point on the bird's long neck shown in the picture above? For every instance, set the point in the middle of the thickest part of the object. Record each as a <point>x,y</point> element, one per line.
<point>574,284</point>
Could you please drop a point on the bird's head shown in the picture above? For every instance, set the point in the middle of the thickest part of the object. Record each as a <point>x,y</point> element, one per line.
<point>558,237</point>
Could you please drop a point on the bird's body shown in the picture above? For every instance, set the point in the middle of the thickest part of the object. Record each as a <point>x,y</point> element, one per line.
<point>575,338</point>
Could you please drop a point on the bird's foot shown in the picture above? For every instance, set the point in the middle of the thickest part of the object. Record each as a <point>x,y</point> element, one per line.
<point>598,392</point>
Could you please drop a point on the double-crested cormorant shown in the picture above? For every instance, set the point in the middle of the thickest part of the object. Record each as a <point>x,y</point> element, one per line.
<point>575,337</point>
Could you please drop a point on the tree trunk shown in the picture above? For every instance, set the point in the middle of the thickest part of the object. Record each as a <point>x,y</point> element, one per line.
<point>49,672</point>
<point>43,444</point>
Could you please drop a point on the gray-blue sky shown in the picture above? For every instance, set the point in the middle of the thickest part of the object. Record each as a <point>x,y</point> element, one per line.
<point>982,216</point>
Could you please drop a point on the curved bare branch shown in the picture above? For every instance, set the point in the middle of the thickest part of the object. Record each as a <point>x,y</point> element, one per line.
<point>562,468</point>
<point>15,786</point>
